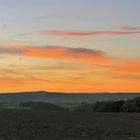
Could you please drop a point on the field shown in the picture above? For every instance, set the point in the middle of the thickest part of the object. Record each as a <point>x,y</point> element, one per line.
<point>25,125</point>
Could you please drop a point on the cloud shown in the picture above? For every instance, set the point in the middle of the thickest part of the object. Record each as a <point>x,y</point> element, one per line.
<point>12,49</point>
<point>134,77</point>
<point>17,74</point>
<point>69,54</point>
<point>9,50</point>
<point>86,33</point>
<point>59,53</point>
<point>127,66</point>
<point>59,68</point>
<point>128,28</point>
<point>119,31</point>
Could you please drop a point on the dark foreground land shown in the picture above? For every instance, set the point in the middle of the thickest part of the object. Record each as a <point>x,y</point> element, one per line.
<point>26,125</point>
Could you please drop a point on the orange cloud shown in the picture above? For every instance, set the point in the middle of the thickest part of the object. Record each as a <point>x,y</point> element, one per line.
<point>131,77</point>
<point>69,54</point>
<point>128,28</point>
<point>60,53</point>
<point>127,66</point>
<point>120,30</point>
<point>12,49</point>
<point>85,33</point>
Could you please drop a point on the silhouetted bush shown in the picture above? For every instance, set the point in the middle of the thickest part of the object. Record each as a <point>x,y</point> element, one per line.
<point>110,106</point>
<point>131,105</point>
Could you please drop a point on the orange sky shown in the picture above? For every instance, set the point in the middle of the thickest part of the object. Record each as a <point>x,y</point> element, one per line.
<point>66,70</point>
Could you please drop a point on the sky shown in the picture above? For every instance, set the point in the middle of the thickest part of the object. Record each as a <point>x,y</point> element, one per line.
<point>70,45</point>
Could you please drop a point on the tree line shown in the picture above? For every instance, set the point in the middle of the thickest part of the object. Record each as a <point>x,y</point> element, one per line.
<point>131,105</point>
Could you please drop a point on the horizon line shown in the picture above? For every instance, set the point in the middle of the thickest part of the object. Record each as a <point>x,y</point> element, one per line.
<point>18,92</point>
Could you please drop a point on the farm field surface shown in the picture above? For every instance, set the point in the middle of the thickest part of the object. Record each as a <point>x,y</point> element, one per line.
<point>26,125</point>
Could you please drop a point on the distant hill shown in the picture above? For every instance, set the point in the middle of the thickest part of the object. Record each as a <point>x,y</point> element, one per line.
<point>41,106</point>
<point>63,99</point>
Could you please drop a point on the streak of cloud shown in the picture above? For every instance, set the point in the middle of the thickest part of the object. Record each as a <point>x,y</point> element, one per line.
<point>128,28</point>
<point>83,33</point>
<point>120,30</point>
<point>60,53</point>
<point>127,66</point>
<point>69,54</point>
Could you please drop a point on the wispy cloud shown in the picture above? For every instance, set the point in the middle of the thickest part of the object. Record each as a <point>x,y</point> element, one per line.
<point>60,53</point>
<point>69,54</point>
<point>12,49</point>
<point>132,77</point>
<point>4,50</point>
<point>128,28</point>
<point>126,66</point>
<point>86,33</point>
<point>17,74</point>
<point>119,30</point>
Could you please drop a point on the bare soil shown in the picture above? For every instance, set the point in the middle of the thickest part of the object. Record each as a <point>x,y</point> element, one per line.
<point>69,126</point>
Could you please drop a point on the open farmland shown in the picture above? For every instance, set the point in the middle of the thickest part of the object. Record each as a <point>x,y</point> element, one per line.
<point>26,125</point>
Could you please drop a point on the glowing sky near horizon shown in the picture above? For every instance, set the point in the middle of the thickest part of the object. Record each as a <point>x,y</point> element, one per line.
<point>70,45</point>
